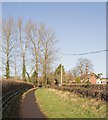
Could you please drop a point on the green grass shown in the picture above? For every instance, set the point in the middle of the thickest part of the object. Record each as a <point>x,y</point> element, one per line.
<point>59,104</point>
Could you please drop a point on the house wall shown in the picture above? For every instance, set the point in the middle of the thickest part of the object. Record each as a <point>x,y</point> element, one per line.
<point>98,81</point>
<point>101,81</point>
<point>92,80</point>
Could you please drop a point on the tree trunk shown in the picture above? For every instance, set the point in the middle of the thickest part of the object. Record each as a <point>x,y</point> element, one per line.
<point>24,70</point>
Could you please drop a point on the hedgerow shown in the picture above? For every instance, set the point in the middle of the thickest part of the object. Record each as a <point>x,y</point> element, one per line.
<point>10,85</point>
<point>91,91</point>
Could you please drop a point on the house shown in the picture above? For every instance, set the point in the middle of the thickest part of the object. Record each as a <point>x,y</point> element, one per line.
<point>102,81</point>
<point>92,77</point>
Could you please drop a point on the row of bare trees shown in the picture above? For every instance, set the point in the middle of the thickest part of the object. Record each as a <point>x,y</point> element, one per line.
<point>27,47</point>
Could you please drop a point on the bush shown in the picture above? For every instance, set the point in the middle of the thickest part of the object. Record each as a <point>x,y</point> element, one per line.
<point>77,80</point>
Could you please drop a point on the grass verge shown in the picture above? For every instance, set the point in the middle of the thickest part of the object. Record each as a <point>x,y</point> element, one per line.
<point>59,104</point>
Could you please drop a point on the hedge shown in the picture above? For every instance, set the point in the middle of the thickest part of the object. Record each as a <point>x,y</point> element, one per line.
<point>10,85</point>
<point>91,91</point>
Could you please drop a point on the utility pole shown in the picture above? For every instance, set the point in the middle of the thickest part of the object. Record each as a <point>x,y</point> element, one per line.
<point>61,75</point>
<point>61,71</point>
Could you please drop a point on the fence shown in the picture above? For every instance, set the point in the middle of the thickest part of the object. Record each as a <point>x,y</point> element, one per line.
<point>10,89</point>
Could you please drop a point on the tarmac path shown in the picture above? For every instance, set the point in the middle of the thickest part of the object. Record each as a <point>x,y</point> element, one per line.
<point>29,106</point>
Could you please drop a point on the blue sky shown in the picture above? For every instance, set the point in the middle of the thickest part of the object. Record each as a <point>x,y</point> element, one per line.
<point>79,27</point>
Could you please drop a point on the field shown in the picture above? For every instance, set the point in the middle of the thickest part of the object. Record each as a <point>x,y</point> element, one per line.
<point>60,104</point>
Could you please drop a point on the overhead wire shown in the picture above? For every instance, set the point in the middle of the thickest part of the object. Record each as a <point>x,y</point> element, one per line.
<point>93,52</point>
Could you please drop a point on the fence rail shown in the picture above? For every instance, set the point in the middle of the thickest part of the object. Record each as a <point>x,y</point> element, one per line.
<point>9,97</point>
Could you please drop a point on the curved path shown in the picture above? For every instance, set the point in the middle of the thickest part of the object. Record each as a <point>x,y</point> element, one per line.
<point>29,107</point>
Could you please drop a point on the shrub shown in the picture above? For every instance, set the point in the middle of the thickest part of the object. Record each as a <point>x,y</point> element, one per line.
<point>77,80</point>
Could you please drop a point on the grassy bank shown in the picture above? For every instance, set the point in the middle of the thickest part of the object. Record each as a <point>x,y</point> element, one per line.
<point>59,104</point>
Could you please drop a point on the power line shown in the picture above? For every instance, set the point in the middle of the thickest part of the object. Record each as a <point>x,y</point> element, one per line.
<point>93,52</point>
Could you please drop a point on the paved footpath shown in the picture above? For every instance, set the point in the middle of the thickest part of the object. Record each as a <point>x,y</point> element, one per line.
<point>29,107</point>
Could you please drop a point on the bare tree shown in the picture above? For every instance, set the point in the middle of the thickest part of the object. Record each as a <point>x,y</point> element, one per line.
<point>43,50</point>
<point>0,47</point>
<point>32,33</point>
<point>84,66</point>
<point>48,51</point>
<point>8,34</point>
<point>75,72</point>
<point>15,59</point>
<point>23,45</point>
<point>15,53</point>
